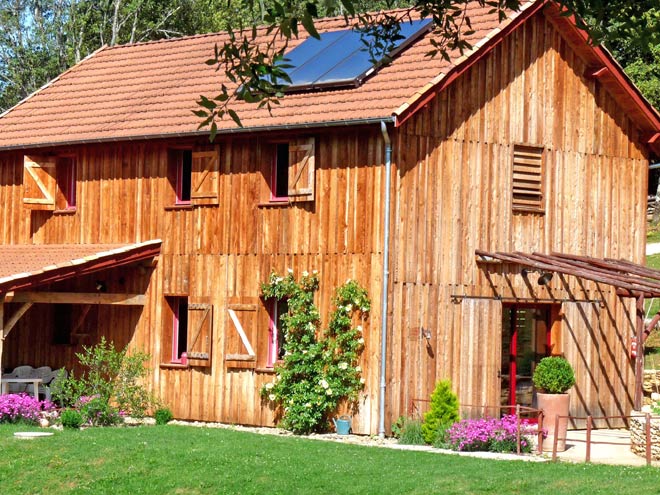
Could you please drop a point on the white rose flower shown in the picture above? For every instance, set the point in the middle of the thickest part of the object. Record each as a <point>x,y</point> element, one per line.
<point>290,270</point>
<point>324,384</point>
<point>269,386</point>
<point>358,369</point>
<point>305,273</point>
<point>342,365</point>
<point>360,340</point>
<point>308,405</point>
<point>359,328</point>
<point>349,307</point>
<point>329,391</point>
<point>362,380</point>
<point>271,397</point>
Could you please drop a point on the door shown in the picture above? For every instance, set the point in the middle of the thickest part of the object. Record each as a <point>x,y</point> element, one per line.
<point>525,341</point>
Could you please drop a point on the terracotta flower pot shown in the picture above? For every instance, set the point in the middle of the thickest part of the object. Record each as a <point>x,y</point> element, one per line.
<point>554,405</point>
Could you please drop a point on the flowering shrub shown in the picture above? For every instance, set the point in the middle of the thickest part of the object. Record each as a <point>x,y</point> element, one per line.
<point>316,374</point>
<point>490,434</point>
<point>22,407</point>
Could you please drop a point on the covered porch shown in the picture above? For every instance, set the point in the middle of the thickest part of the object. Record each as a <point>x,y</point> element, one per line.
<point>54,298</point>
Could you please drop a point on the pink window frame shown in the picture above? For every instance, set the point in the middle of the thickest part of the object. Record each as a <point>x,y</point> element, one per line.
<point>179,178</point>
<point>273,179</point>
<point>176,308</point>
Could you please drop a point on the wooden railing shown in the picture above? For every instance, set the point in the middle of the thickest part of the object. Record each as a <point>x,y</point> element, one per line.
<point>589,442</point>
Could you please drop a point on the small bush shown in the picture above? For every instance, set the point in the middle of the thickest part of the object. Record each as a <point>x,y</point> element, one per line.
<point>443,412</point>
<point>15,408</point>
<point>163,416</point>
<point>554,375</point>
<point>397,426</point>
<point>490,435</point>
<point>411,432</point>
<point>71,418</point>
<point>97,412</point>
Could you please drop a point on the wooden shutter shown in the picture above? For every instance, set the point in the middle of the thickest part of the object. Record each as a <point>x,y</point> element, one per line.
<point>39,182</point>
<point>527,185</point>
<point>301,170</point>
<point>240,336</point>
<point>205,177</point>
<point>200,334</point>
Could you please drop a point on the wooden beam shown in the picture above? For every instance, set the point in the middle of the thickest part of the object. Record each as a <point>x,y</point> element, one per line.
<point>77,298</point>
<point>639,360</point>
<point>597,72</point>
<point>16,316</point>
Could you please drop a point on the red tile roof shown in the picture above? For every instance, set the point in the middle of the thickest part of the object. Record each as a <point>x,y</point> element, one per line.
<point>150,89</point>
<point>29,265</point>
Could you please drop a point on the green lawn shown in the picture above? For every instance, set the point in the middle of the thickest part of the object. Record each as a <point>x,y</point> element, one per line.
<point>186,460</point>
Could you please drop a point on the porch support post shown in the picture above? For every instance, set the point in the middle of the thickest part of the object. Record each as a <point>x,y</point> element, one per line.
<point>639,359</point>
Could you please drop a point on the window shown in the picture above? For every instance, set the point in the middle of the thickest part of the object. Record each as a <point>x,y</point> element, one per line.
<point>276,335</point>
<point>49,182</point>
<point>179,329</point>
<point>62,324</point>
<point>194,176</point>
<point>527,182</point>
<point>183,176</point>
<point>293,171</point>
<point>190,332</point>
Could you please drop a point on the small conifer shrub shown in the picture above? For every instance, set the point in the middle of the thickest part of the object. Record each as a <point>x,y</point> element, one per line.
<point>443,412</point>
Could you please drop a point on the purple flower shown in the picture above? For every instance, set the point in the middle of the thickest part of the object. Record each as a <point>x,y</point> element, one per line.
<point>16,407</point>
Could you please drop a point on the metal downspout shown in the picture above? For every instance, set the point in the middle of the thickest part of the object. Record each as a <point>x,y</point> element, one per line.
<point>386,274</point>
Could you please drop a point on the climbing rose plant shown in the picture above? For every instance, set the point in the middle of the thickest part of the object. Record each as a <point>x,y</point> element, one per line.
<point>316,373</point>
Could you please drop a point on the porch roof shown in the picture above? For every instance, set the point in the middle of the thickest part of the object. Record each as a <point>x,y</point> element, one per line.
<point>24,266</point>
<point>630,279</point>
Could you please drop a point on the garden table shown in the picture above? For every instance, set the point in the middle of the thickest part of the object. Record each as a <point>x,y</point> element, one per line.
<point>34,381</point>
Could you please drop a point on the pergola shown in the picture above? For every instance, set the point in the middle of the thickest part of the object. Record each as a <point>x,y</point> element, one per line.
<point>629,279</point>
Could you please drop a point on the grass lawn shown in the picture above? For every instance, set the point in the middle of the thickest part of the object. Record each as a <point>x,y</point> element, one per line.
<point>652,233</point>
<point>186,460</point>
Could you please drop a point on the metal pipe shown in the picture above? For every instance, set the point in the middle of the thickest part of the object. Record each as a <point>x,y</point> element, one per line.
<point>386,276</point>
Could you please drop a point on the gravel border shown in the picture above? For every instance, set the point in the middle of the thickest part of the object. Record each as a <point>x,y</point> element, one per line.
<point>364,440</point>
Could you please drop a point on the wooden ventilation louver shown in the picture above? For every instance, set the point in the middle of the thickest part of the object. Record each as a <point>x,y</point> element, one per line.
<point>527,184</point>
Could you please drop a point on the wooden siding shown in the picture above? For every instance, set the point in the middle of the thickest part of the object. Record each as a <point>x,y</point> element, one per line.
<point>453,195</point>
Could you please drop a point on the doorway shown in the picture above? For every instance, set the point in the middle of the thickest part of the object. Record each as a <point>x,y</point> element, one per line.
<point>526,339</point>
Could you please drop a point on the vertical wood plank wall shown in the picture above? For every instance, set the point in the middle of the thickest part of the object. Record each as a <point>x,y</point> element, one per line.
<point>451,195</point>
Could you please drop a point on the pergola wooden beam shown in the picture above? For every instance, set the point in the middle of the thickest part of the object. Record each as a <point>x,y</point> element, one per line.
<point>76,298</point>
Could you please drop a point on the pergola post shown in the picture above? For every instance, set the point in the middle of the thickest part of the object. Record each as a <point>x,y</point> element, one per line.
<point>639,359</point>
<point>2,332</point>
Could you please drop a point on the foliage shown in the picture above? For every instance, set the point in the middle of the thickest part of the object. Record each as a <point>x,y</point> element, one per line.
<point>190,460</point>
<point>411,432</point>
<point>316,374</point>
<point>442,413</point>
<point>397,426</point>
<point>23,408</point>
<point>111,384</point>
<point>70,418</point>
<point>163,415</point>
<point>554,375</point>
<point>490,435</point>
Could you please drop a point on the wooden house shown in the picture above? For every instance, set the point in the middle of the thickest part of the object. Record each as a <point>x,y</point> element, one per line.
<point>424,181</point>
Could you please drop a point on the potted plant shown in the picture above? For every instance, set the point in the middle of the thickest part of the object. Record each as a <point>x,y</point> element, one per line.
<point>553,377</point>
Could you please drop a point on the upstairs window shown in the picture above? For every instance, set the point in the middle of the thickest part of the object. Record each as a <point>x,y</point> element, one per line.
<point>527,181</point>
<point>183,176</point>
<point>194,175</point>
<point>49,182</point>
<point>293,171</point>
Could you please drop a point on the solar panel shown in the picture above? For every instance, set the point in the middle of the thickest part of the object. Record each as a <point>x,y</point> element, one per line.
<point>340,58</point>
